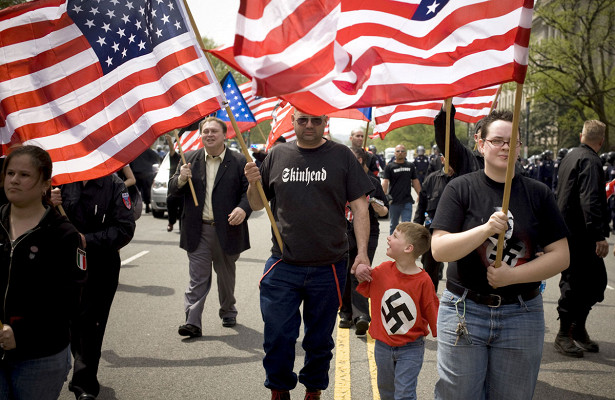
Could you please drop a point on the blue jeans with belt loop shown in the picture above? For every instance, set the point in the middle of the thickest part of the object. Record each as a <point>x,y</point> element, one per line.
<point>501,359</point>
<point>282,290</point>
<point>398,369</point>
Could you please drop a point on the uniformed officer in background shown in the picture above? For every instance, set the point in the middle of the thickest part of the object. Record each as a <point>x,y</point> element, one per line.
<point>101,211</point>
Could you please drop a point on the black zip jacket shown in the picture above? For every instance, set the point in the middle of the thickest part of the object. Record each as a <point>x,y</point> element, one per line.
<point>40,284</point>
<point>581,195</point>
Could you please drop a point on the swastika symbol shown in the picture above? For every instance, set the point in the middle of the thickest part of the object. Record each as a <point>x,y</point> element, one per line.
<point>394,312</point>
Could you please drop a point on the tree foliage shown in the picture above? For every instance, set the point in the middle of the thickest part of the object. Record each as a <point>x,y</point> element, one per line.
<point>8,3</point>
<point>572,70</point>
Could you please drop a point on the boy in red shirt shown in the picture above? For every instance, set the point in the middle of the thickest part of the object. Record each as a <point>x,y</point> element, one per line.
<point>404,308</point>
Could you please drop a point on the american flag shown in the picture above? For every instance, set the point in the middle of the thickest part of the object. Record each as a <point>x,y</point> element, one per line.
<point>470,107</point>
<point>342,54</point>
<point>281,124</point>
<point>242,113</point>
<point>262,107</point>
<point>96,82</point>
<point>189,140</point>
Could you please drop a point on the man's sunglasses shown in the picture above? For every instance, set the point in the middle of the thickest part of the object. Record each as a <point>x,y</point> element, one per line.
<point>316,121</point>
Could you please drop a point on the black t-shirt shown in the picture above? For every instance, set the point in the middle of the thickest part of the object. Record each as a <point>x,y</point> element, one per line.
<point>400,177</point>
<point>534,222</point>
<point>309,189</point>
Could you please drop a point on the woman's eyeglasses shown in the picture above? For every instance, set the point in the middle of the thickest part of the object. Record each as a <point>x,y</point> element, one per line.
<point>500,142</point>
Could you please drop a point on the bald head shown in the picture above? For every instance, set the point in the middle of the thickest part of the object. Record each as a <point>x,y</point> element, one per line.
<point>356,137</point>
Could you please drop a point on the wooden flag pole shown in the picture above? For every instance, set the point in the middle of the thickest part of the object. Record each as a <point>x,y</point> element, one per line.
<point>365,137</point>
<point>181,154</point>
<point>447,104</point>
<point>510,169</point>
<point>495,99</point>
<point>242,143</point>
<point>258,128</point>
<point>259,187</point>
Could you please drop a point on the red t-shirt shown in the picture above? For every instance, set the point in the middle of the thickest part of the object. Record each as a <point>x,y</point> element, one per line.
<point>404,306</point>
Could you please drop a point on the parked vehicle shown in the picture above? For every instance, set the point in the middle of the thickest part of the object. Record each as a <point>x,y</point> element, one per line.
<point>159,189</point>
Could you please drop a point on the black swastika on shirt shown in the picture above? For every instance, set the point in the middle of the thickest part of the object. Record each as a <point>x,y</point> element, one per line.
<point>394,312</point>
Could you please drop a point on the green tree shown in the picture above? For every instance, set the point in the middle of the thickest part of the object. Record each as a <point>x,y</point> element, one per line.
<point>8,3</point>
<point>572,70</point>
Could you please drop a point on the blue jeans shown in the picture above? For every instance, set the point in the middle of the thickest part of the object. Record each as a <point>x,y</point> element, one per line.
<point>39,378</point>
<point>503,359</point>
<point>398,369</point>
<point>396,210</point>
<point>282,290</point>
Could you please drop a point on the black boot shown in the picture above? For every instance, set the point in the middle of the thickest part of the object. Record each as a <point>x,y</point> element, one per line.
<point>564,342</point>
<point>579,334</point>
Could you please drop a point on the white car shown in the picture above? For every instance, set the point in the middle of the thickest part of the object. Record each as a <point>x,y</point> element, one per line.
<point>159,189</point>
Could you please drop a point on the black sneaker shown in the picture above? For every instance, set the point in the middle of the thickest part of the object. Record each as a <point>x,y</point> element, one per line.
<point>362,324</point>
<point>229,322</point>
<point>190,330</point>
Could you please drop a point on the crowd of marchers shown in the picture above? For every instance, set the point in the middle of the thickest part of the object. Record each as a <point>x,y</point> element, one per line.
<point>326,199</point>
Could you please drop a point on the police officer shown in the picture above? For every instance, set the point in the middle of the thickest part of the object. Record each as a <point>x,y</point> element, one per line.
<point>545,171</point>
<point>435,162</point>
<point>561,153</point>
<point>101,211</point>
<point>421,163</point>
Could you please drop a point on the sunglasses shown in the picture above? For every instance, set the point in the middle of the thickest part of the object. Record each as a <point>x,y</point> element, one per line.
<point>316,121</point>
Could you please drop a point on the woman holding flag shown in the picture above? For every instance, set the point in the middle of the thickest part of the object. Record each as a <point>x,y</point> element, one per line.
<point>491,321</point>
<point>40,274</point>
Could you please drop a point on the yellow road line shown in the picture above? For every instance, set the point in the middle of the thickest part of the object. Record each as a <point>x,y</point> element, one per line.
<point>373,370</point>
<point>342,364</point>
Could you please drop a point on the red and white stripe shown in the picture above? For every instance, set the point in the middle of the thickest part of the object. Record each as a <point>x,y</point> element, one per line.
<point>261,107</point>
<point>189,140</point>
<point>281,124</point>
<point>469,107</point>
<point>53,93</point>
<point>340,54</point>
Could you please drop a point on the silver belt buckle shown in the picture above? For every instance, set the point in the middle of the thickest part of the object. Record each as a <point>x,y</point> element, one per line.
<point>499,301</point>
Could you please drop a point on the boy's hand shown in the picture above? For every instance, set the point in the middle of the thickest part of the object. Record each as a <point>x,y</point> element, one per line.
<point>363,273</point>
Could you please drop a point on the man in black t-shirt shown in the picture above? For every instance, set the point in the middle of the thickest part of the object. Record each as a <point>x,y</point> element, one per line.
<point>399,177</point>
<point>308,183</point>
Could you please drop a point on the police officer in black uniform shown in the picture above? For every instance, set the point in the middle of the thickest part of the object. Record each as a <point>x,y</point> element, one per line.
<point>561,153</point>
<point>421,163</point>
<point>545,171</point>
<point>101,211</point>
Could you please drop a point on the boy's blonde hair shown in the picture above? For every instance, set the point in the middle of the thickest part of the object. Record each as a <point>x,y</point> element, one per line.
<point>416,235</point>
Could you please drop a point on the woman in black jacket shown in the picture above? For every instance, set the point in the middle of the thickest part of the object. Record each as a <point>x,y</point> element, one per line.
<point>40,275</point>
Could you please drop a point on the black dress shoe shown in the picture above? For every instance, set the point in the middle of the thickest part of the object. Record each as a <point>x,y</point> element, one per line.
<point>229,322</point>
<point>85,396</point>
<point>345,323</point>
<point>361,324</point>
<point>190,330</point>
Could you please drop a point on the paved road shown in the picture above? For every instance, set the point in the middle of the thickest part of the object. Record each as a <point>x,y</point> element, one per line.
<point>144,358</point>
